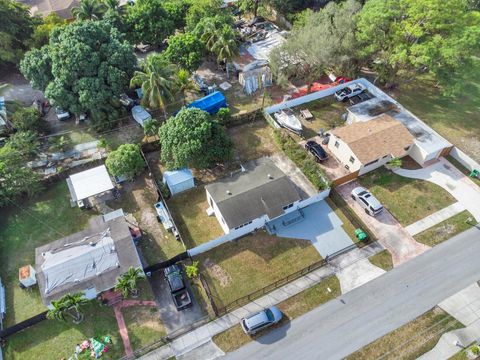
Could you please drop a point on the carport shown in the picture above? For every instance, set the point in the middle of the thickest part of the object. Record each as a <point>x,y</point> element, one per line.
<point>317,223</point>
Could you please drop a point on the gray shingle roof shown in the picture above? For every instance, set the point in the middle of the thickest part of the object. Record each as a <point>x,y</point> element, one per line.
<point>246,195</point>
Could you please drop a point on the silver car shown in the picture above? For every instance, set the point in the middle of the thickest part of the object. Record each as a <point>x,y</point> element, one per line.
<point>259,321</point>
<point>367,201</point>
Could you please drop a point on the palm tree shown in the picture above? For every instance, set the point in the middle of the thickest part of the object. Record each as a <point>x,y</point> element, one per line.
<point>210,34</point>
<point>226,46</point>
<point>88,10</point>
<point>183,83</point>
<point>156,80</point>
<point>68,304</point>
<point>395,163</point>
<point>112,5</point>
<point>123,285</point>
<point>127,283</point>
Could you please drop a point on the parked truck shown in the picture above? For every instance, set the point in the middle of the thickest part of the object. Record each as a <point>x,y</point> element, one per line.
<point>181,297</point>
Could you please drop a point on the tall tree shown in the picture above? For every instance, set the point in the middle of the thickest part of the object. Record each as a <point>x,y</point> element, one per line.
<point>84,69</point>
<point>16,28</point>
<point>126,161</point>
<point>88,10</point>
<point>41,35</point>
<point>185,50</point>
<point>225,47</point>
<point>192,138</point>
<point>201,9</point>
<point>156,80</point>
<point>183,83</point>
<point>148,22</point>
<point>69,304</point>
<point>401,37</point>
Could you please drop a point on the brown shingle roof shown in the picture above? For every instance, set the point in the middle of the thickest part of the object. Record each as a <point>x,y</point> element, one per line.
<point>373,139</point>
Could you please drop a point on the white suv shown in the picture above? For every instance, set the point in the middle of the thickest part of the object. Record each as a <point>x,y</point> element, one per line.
<point>367,201</point>
<point>349,91</point>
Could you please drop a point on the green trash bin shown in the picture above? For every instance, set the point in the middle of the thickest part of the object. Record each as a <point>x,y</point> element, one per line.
<point>360,234</point>
<point>474,173</point>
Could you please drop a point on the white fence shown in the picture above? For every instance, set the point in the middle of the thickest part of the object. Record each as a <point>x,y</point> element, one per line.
<point>255,225</point>
<point>464,159</point>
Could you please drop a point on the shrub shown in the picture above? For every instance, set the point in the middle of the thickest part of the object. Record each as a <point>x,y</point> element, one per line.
<point>223,116</point>
<point>475,350</point>
<point>192,270</point>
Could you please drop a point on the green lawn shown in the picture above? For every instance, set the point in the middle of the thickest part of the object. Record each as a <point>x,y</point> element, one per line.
<point>383,260</point>
<point>463,169</point>
<point>39,221</point>
<point>240,267</point>
<point>457,119</point>
<point>410,340</point>
<point>54,339</point>
<point>293,307</point>
<point>189,212</point>
<point>143,325</point>
<point>446,229</point>
<point>409,200</point>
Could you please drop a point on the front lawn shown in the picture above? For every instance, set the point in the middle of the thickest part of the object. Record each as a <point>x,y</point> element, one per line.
<point>410,340</point>
<point>409,200</point>
<point>144,325</point>
<point>54,339</point>
<point>446,229</point>
<point>33,223</point>
<point>189,212</point>
<point>242,266</point>
<point>291,308</point>
<point>383,260</point>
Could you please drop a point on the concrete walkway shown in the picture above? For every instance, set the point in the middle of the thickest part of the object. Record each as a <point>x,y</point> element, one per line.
<point>447,176</point>
<point>203,335</point>
<point>465,307</point>
<point>434,219</point>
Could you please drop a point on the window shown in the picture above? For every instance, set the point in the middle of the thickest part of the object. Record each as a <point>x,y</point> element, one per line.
<point>352,159</point>
<point>287,206</point>
<point>337,144</point>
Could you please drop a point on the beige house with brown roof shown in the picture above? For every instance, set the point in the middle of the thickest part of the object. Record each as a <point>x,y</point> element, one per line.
<point>365,146</point>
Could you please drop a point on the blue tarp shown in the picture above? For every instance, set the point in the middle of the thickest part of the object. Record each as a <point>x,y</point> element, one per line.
<point>210,103</point>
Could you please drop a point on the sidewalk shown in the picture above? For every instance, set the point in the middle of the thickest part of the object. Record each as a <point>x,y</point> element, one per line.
<point>203,335</point>
<point>435,218</point>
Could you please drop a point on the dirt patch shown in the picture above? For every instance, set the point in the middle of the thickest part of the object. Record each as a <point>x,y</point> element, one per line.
<point>217,272</point>
<point>146,317</point>
<point>446,229</point>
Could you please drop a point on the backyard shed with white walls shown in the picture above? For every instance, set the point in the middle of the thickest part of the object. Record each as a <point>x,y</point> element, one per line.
<point>88,184</point>
<point>365,146</point>
<point>178,180</point>
<point>252,196</point>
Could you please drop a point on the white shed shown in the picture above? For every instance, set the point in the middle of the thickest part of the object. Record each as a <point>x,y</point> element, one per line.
<point>89,183</point>
<point>178,180</point>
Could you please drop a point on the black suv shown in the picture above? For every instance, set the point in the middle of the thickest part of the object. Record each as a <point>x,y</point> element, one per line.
<point>316,150</point>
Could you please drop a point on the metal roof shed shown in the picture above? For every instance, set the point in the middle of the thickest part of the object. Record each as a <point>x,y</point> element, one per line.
<point>89,183</point>
<point>178,180</point>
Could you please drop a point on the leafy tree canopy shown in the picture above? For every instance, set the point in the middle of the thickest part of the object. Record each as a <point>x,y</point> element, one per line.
<point>177,11</point>
<point>201,9</point>
<point>148,22</point>
<point>41,34</point>
<point>25,119</point>
<point>192,138</point>
<point>84,69</point>
<point>186,50</point>
<point>16,28</point>
<point>436,36</point>
<point>125,161</point>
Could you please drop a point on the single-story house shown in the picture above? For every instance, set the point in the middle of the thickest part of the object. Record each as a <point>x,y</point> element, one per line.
<point>88,261</point>
<point>88,184</point>
<point>256,194</point>
<point>178,180</point>
<point>364,146</point>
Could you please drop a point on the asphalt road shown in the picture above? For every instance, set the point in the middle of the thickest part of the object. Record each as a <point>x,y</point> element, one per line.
<point>346,324</point>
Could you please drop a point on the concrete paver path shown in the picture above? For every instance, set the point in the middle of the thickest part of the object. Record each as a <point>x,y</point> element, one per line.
<point>389,232</point>
<point>447,176</point>
<point>434,219</point>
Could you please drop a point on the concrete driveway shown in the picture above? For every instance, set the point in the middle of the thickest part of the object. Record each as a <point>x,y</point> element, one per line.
<point>173,319</point>
<point>320,225</point>
<point>389,232</point>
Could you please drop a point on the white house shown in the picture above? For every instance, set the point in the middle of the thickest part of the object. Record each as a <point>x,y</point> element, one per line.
<point>88,261</point>
<point>251,197</point>
<point>364,146</point>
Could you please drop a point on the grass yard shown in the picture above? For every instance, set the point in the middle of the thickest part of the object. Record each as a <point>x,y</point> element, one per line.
<point>409,200</point>
<point>189,212</point>
<point>463,169</point>
<point>457,119</point>
<point>326,113</point>
<point>293,307</point>
<point>242,266</point>
<point>410,340</point>
<point>144,325</point>
<point>240,103</point>
<point>347,226</point>
<point>138,198</point>
<point>54,339</point>
<point>43,219</point>
<point>446,229</point>
<point>253,140</point>
<point>383,260</point>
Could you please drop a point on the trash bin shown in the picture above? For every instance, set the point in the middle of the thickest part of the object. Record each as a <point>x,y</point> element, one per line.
<point>474,173</point>
<point>360,234</point>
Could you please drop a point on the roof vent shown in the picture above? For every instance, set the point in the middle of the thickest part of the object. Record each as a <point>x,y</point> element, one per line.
<point>270,176</point>
<point>229,192</point>
<point>91,243</point>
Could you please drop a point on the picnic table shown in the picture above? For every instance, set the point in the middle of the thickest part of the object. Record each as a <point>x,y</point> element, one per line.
<point>306,114</point>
